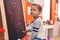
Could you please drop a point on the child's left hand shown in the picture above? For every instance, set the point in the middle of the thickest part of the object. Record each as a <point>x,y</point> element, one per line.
<point>24,31</point>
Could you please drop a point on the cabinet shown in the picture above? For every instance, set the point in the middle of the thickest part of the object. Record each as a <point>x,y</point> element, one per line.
<point>49,30</point>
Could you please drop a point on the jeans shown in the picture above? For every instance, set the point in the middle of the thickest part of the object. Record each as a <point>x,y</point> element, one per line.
<point>37,39</point>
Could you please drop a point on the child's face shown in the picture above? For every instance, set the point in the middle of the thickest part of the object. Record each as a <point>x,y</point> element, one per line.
<point>34,11</point>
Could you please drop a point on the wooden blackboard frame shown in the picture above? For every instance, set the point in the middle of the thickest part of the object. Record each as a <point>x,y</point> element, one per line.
<point>4,20</point>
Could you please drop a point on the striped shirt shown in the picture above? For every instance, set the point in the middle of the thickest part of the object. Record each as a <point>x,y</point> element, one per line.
<point>37,29</point>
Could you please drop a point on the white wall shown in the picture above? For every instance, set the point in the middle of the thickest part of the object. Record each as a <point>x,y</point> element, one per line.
<point>40,2</point>
<point>46,8</point>
<point>59,8</point>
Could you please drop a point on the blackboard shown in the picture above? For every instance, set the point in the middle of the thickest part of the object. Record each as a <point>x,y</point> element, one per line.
<point>15,19</point>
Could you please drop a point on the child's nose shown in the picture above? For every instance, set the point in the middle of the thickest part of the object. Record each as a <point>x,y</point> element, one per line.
<point>31,12</point>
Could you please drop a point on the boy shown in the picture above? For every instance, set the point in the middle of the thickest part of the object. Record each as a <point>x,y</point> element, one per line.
<point>37,31</point>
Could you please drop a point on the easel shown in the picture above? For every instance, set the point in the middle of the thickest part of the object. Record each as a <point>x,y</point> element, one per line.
<point>4,19</point>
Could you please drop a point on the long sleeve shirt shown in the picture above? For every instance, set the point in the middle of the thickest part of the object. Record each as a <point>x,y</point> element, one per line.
<point>37,29</point>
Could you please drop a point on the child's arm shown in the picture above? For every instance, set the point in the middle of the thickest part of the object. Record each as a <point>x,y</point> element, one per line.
<point>26,31</point>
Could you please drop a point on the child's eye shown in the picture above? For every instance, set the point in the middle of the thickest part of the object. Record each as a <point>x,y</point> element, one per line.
<point>33,10</point>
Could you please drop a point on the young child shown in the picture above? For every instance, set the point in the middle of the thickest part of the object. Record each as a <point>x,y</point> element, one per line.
<point>37,31</point>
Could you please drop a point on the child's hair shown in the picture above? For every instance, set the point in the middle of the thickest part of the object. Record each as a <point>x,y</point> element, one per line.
<point>39,7</point>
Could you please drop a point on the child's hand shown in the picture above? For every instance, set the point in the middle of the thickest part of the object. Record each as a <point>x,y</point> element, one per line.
<point>24,31</point>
